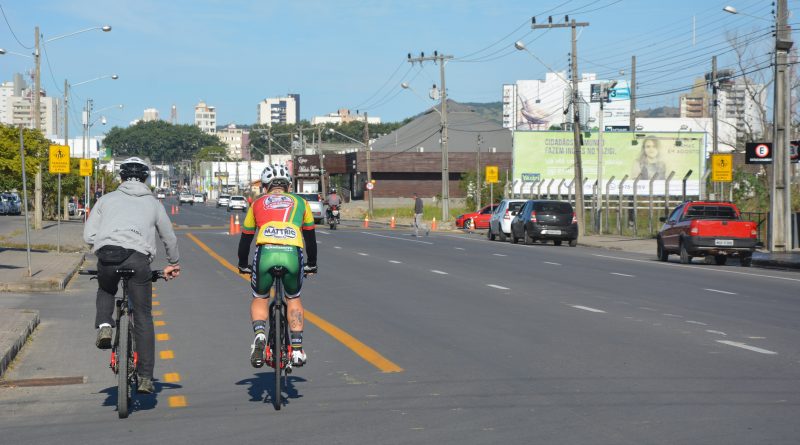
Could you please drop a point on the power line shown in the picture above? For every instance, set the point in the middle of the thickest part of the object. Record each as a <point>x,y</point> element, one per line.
<point>12,29</point>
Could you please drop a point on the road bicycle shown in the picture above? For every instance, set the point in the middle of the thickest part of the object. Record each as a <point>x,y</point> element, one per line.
<point>124,357</point>
<point>278,354</point>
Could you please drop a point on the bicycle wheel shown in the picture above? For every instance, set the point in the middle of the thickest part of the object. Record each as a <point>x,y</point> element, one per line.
<point>123,367</point>
<point>277,356</point>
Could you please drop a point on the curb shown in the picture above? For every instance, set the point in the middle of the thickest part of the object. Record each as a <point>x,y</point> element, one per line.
<point>776,264</point>
<point>56,283</point>
<point>22,325</point>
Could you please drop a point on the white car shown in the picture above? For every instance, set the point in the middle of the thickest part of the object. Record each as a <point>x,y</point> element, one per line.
<point>199,198</point>
<point>161,195</point>
<point>237,202</point>
<point>317,207</point>
<point>500,222</point>
<point>185,198</point>
<point>222,201</point>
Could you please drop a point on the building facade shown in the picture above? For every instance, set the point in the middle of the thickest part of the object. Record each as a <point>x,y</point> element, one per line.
<point>16,107</point>
<point>237,140</point>
<point>150,115</point>
<point>205,117</point>
<point>279,110</point>
<point>343,116</point>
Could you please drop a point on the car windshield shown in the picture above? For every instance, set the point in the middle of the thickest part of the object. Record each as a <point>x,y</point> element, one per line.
<point>711,212</point>
<point>558,208</point>
<point>515,206</point>
<point>309,196</point>
<point>237,198</point>
<point>224,197</point>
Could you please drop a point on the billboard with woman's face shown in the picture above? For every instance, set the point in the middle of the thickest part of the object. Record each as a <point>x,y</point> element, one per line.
<point>647,156</point>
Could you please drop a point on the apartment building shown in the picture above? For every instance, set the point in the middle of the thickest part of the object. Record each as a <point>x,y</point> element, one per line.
<point>205,117</point>
<point>279,110</point>
<point>237,141</point>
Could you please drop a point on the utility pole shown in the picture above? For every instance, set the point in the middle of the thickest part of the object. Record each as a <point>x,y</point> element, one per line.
<point>269,145</point>
<point>37,124</point>
<point>321,161</point>
<point>715,117</point>
<point>632,87</point>
<point>441,59</point>
<point>369,163</point>
<point>478,172</point>
<point>780,198</point>
<point>576,123</point>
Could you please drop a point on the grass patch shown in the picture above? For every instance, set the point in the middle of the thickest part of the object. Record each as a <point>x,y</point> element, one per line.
<point>428,212</point>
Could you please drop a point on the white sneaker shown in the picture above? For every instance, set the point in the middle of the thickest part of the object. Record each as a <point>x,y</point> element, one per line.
<point>298,357</point>
<point>257,350</point>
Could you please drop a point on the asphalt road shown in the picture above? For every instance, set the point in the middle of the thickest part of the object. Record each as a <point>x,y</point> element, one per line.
<point>441,339</point>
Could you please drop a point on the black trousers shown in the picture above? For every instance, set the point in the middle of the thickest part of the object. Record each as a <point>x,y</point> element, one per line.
<point>140,297</point>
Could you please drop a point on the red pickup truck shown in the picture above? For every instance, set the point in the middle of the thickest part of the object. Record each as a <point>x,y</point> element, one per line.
<point>707,228</point>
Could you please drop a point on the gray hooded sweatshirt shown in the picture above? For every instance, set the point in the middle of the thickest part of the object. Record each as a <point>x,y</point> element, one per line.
<point>130,217</point>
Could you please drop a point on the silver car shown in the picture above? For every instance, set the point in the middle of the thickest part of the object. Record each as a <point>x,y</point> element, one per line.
<point>238,203</point>
<point>317,209</point>
<point>500,222</point>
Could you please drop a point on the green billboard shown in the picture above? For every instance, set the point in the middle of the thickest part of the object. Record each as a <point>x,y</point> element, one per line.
<point>648,155</point>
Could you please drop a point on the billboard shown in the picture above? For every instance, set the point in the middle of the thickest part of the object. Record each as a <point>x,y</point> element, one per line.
<point>545,155</point>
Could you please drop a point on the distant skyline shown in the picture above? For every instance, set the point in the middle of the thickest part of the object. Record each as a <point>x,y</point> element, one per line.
<point>352,54</point>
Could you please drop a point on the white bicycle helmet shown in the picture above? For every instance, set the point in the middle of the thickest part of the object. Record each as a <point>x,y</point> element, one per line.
<point>276,173</point>
<point>134,169</point>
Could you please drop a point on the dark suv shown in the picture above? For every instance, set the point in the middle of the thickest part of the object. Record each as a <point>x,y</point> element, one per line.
<point>545,220</point>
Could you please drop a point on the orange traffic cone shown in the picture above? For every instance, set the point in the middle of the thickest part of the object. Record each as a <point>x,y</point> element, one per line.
<point>173,210</point>
<point>392,223</point>
<point>366,221</point>
<point>231,228</point>
<point>433,225</point>
<point>236,227</point>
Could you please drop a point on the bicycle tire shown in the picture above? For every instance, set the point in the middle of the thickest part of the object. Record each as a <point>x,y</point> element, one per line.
<point>123,371</point>
<point>277,356</point>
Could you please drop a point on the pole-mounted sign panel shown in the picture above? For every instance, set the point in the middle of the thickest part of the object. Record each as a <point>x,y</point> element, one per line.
<point>86,167</point>
<point>758,153</point>
<point>492,174</point>
<point>722,168</point>
<point>59,159</point>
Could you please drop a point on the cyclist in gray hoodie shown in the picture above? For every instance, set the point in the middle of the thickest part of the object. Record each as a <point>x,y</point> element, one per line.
<point>122,230</point>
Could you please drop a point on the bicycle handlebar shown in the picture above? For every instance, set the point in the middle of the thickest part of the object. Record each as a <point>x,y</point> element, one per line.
<point>156,274</point>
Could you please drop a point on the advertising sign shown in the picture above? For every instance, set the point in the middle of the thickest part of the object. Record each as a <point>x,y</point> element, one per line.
<point>722,167</point>
<point>492,174</point>
<point>758,153</point>
<point>59,159</point>
<point>86,167</point>
<point>544,155</point>
<point>794,151</point>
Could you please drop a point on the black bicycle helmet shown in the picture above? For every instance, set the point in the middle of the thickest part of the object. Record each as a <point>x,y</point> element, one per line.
<point>134,169</point>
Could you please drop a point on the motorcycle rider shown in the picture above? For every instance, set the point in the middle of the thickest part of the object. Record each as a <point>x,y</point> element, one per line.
<point>279,217</point>
<point>332,200</point>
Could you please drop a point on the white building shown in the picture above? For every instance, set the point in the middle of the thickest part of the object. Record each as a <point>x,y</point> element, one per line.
<point>342,116</point>
<point>150,115</point>
<point>16,107</point>
<point>279,110</point>
<point>236,140</point>
<point>205,117</point>
<point>545,104</point>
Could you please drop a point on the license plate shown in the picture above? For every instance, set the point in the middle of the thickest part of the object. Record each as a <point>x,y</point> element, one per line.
<point>551,232</point>
<point>723,242</point>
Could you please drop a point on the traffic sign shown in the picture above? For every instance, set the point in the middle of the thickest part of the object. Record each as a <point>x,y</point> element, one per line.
<point>59,159</point>
<point>220,174</point>
<point>370,186</point>
<point>794,151</point>
<point>722,168</point>
<point>758,153</point>
<point>86,167</point>
<point>492,174</point>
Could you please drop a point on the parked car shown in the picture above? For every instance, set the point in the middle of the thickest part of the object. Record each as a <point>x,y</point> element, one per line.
<point>545,220</point>
<point>3,208</point>
<point>222,201</point>
<point>185,198</point>
<point>317,207</point>
<point>161,194</point>
<point>237,202</point>
<point>72,207</point>
<point>500,221</point>
<point>476,220</point>
<point>13,203</point>
<point>707,228</point>
<point>199,198</point>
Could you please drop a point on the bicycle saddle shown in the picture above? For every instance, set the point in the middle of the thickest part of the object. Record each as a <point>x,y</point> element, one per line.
<point>278,271</point>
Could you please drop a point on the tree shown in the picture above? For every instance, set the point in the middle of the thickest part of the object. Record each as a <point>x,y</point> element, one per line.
<point>160,141</point>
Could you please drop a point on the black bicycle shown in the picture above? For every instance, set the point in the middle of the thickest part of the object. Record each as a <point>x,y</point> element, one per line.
<point>124,357</point>
<point>279,348</point>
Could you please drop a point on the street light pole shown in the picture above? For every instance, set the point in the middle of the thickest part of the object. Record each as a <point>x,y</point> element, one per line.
<point>780,199</point>
<point>37,124</point>
<point>369,164</point>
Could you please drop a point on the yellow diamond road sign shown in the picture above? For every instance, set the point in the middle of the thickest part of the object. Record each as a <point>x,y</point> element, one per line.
<point>492,173</point>
<point>722,168</point>
<point>59,159</point>
<point>86,167</point>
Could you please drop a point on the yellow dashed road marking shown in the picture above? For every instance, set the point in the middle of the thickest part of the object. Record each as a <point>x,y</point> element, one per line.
<point>158,313</point>
<point>166,355</point>
<point>159,323</point>
<point>177,401</point>
<point>172,377</point>
<point>370,355</point>
<point>156,303</point>
<point>162,337</point>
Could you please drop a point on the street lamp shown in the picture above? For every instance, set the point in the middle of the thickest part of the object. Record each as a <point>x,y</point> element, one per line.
<point>442,147</point>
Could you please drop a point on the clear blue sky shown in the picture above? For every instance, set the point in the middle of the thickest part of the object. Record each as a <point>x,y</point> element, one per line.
<point>351,53</point>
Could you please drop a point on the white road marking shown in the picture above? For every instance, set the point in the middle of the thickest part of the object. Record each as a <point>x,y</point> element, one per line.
<point>363,254</point>
<point>757,338</point>
<point>697,322</point>
<point>439,272</point>
<point>499,254</point>
<point>703,269</point>
<point>396,237</point>
<point>335,247</point>
<point>672,315</point>
<point>550,262</point>
<point>622,274</point>
<point>458,248</point>
<point>587,308</point>
<point>746,346</point>
<point>711,331</point>
<point>395,262</point>
<point>318,231</point>
<point>720,291</point>
<point>465,238</point>
<point>498,287</point>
